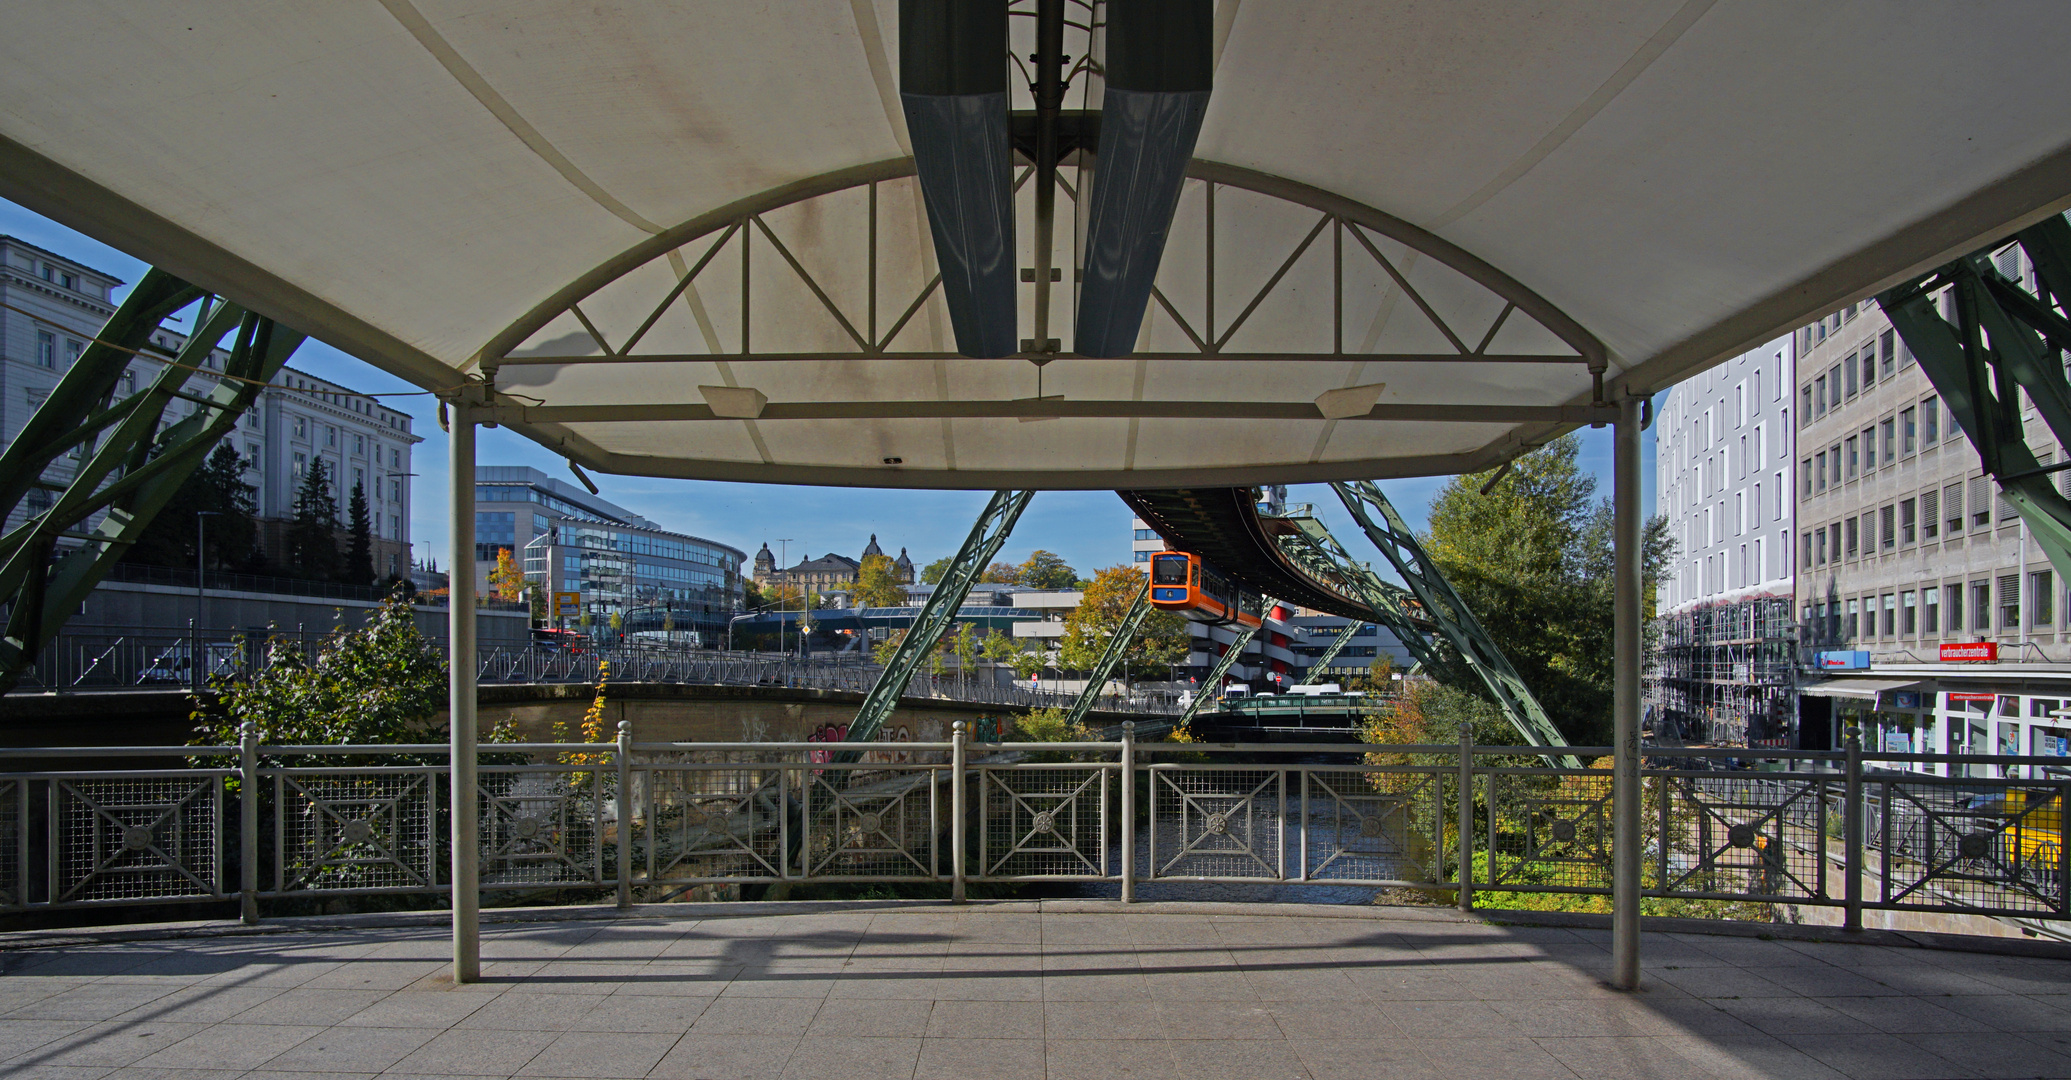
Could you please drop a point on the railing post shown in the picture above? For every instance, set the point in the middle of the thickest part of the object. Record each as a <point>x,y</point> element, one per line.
<point>1466,819</point>
<point>957,812</point>
<point>248,822</point>
<point>622,756</point>
<point>1851,833</point>
<point>1627,587</point>
<point>1128,811</point>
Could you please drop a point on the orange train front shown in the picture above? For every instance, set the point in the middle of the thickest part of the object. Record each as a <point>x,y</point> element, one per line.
<point>1184,583</point>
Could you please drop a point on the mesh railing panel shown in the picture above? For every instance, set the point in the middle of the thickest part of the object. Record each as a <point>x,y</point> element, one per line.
<point>1549,830</point>
<point>547,825</point>
<point>137,838</point>
<point>13,846</point>
<point>1963,845</point>
<point>1219,823</point>
<point>358,830</point>
<point>1362,825</point>
<point>872,823</point>
<point>1042,822</point>
<point>1741,836</point>
<point>709,824</point>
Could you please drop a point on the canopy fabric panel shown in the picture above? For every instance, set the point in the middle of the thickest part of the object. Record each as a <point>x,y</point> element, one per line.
<point>1417,238</point>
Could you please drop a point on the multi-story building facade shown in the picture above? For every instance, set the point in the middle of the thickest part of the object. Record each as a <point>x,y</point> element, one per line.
<point>1724,447</point>
<point>55,305</point>
<point>568,540</point>
<point>830,573</point>
<point>1912,566</point>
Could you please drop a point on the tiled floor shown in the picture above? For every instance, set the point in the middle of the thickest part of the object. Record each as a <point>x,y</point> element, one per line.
<point>1019,991</point>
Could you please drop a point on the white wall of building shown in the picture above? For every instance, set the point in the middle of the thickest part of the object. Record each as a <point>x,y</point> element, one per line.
<point>1724,448</point>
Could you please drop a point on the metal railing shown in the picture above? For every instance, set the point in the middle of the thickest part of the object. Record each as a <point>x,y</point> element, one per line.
<point>78,662</point>
<point>647,821</point>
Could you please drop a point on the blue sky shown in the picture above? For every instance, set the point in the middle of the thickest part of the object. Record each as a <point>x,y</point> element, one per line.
<point>1089,528</point>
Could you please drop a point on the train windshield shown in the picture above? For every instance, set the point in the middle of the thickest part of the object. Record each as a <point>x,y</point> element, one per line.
<point>1169,570</point>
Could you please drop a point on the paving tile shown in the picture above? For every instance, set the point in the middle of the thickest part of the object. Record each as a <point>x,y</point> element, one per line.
<point>387,975</point>
<point>302,1006</point>
<point>689,978</point>
<point>1440,1019</point>
<point>415,1008</point>
<point>1237,1059</point>
<point>58,1072</point>
<point>1511,1058</point>
<point>475,1053</point>
<point>980,1059</point>
<point>986,1020</point>
<point>572,977</point>
<point>1227,1020</point>
<point>1793,1016</point>
<point>1120,1059</point>
<point>1713,982</point>
<point>97,1001</point>
<point>853,1059</point>
<point>1622,1058</point>
<point>352,1049</point>
<point>1080,1021</point>
<point>2009,1012</point>
<point>531,1012</point>
<point>756,1016</point>
<point>1694,1016</point>
<point>655,1013</point>
<point>1902,1015</point>
<point>1620,1016</point>
<point>600,1053</point>
<point>1413,982</point>
<point>1926,980</point>
<point>879,1017</point>
<point>110,1043</point>
<point>18,1037</point>
<point>1332,1020</point>
<point>1745,1057</point>
<point>1365,1059</point>
<point>726,1057</point>
<point>228,1046</point>
<point>1994,1054</point>
<point>1089,986</point>
<point>1823,981</point>
<point>1879,1057</point>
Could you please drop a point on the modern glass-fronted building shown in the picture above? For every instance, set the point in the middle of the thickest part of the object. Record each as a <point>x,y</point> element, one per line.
<point>568,540</point>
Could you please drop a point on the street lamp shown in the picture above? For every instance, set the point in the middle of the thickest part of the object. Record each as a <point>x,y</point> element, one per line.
<point>200,589</point>
<point>378,478</point>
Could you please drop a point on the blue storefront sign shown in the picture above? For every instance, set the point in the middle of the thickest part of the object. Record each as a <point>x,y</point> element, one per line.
<point>1842,661</point>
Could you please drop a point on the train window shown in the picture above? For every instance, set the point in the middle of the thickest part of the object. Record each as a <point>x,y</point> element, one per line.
<point>1169,570</point>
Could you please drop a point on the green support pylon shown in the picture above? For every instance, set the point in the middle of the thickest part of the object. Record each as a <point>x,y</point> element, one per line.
<point>1450,614</point>
<point>1222,667</point>
<point>987,536</point>
<point>1319,554</point>
<point>2004,340</point>
<point>131,463</point>
<point>1111,655</point>
<point>1337,646</point>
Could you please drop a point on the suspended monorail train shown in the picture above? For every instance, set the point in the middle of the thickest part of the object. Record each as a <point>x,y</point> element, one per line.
<point>1186,584</point>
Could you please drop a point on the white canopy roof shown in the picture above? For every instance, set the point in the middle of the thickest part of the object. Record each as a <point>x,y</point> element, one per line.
<point>1400,193</point>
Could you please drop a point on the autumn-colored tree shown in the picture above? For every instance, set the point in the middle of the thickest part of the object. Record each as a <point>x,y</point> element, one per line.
<point>1161,639</point>
<point>1047,570</point>
<point>877,583</point>
<point>506,578</point>
<point>1000,573</point>
<point>933,573</point>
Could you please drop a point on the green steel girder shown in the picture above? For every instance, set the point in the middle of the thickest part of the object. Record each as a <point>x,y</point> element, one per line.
<point>1222,667</point>
<point>131,462</point>
<point>1337,646</point>
<point>987,536</point>
<point>2004,340</point>
<point>1111,655</point>
<point>1398,544</point>
<point>1320,555</point>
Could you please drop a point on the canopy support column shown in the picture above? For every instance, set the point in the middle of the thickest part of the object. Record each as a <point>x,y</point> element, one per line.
<point>460,673</point>
<point>987,537</point>
<point>1625,699</point>
<point>1117,645</point>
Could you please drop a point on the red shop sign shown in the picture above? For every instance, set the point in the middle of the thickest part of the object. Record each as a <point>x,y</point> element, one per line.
<point>1971,650</point>
<point>1986,698</point>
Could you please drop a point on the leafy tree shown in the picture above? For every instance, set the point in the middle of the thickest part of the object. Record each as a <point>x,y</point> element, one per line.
<point>506,579</point>
<point>877,583</point>
<point>313,533</point>
<point>1162,637</point>
<point>217,486</point>
<point>1048,725</point>
<point>1047,570</point>
<point>359,558</point>
<point>883,650</point>
<point>965,645</point>
<point>1532,559</point>
<point>933,573</point>
<point>1000,573</point>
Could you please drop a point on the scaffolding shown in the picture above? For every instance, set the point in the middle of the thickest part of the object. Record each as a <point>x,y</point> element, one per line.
<point>1725,675</point>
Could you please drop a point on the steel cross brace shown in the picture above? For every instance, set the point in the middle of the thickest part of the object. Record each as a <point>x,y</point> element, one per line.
<point>1222,667</point>
<point>2004,340</point>
<point>1117,644</point>
<point>1398,543</point>
<point>1337,646</point>
<point>133,464</point>
<point>987,536</point>
<point>1318,553</point>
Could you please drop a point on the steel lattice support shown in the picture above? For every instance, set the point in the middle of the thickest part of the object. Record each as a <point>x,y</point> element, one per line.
<point>1337,646</point>
<point>1390,533</point>
<point>1319,554</point>
<point>131,463</point>
<point>1117,644</point>
<point>2003,340</point>
<point>987,536</point>
<point>1215,674</point>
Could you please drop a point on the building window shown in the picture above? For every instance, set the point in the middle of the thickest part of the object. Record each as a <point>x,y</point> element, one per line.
<point>1931,609</point>
<point>1980,605</point>
<point>1931,417</point>
<point>1890,429</point>
<point>1835,530</point>
<point>330,435</point>
<point>395,458</point>
<point>1955,592</point>
<point>395,490</point>
<point>1852,623</point>
<point>1980,502</point>
<point>1819,396</point>
<point>1834,459</point>
<point>1144,556</point>
<point>1887,536</point>
<point>1908,614</point>
<point>1908,431</point>
<point>1886,349</point>
<point>1890,615</point>
<point>1849,364</point>
<point>1809,560</point>
<point>301,465</point>
<point>2009,600</point>
<point>1145,534</point>
<point>1930,514</point>
<point>301,427</point>
<point>1853,457</point>
<point>1820,466</point>
<point>46,349</point>
<point>359,478</point>
<point>359,444</point>
<point>2041,590</point>
<point>1805,405</point>
<point>1808,476</point>
<point>1907,518</point>
<point>1853,539</point>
